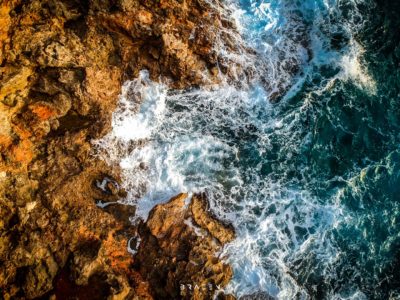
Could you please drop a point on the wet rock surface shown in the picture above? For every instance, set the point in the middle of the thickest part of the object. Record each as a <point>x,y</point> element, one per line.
<point>62,64</point>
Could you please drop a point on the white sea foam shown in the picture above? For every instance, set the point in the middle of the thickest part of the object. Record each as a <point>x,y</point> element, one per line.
<point>354,70</point>
<point>220,140</point>
<point>141,107</point>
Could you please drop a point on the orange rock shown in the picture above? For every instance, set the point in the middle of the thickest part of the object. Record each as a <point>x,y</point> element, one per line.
<point>30,19</point>
<point>14,80</point>
<point>43,111</point>
<point>5,141</point>
<point>85,233</point>
<point>22,132</point>
<point>121,260</point>
<point>23,152</point>
<point>163,217</point>
<point>145,17</point>
<point>119,21</point>
<point>204,218</point>
<point>5,22</point>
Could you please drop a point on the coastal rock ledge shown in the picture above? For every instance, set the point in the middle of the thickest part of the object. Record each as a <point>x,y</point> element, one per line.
<point>178,250</point>
<point>62,65</point>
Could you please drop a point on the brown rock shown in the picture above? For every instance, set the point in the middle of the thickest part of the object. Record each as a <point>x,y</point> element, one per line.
<point>62,67</point>
<point>178,256</point>
<point>204,218</point>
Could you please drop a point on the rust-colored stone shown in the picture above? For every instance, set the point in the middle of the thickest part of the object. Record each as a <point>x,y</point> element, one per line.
<point>178,255</point>
<point>62,67</point>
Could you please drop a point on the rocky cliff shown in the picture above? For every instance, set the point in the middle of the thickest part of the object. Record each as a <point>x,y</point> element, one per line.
<point>62,64</point>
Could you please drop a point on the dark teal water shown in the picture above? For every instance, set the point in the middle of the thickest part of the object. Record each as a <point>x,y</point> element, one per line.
<point>311,183</point>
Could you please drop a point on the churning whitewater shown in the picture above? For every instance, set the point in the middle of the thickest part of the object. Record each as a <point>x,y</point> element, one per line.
<point>309,182</point>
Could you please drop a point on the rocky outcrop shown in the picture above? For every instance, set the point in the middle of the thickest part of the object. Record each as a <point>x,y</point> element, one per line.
<point>62,64</point>
<point>179,248</point>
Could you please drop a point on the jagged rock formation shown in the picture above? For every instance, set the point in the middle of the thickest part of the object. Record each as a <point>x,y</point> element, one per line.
<point>178,250</point>
<point>62,64</point>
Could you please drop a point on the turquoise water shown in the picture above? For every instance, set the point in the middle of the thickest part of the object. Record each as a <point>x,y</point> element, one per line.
<point>312,182</point>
